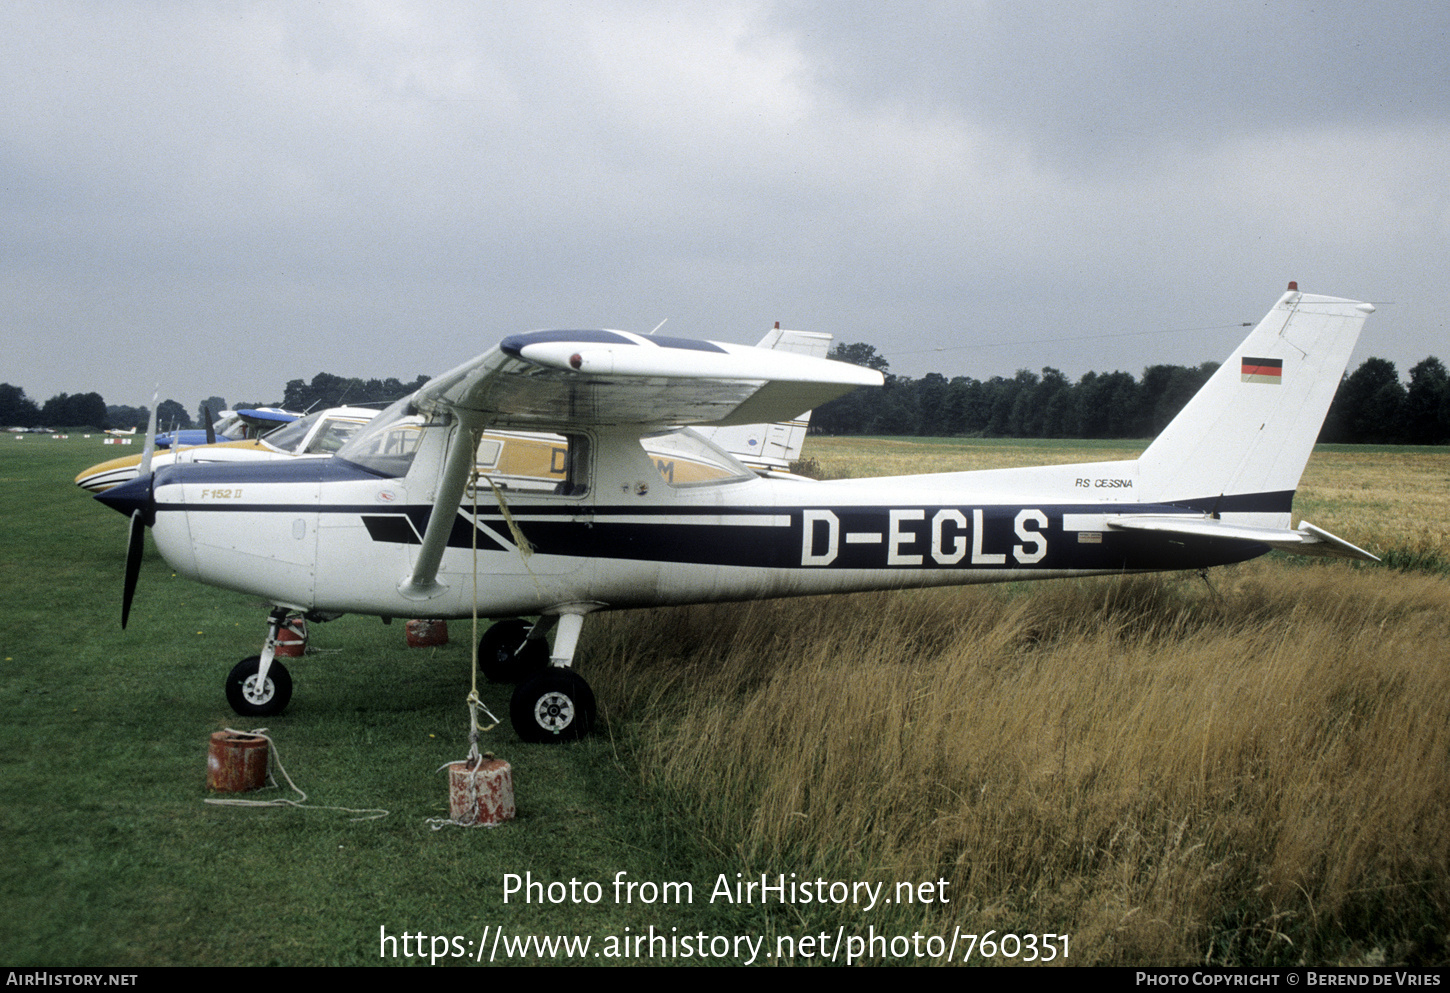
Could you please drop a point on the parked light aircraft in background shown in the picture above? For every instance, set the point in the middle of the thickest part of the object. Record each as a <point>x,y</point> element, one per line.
<point>232,425</point>
<point>319,434</point>
<point>772,447</point>
<point>648,513</point>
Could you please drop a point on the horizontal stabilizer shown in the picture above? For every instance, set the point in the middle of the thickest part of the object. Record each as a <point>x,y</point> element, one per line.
<point>1306,540</point>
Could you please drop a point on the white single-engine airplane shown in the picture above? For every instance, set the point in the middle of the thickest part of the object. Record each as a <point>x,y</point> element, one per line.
<point>649,513</point>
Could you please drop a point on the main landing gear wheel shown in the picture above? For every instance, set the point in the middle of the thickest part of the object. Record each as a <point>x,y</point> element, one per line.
<point>252,699</point>
<point>556,705</point>
<point>504,656</point>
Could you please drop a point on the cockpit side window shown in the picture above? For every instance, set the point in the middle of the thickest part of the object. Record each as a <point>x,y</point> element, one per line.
<point>576,468</point>
<point>529,462</point>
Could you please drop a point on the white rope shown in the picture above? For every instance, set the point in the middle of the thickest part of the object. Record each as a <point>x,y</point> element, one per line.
<point>274,755</point>
<point>474,700</point>
<point>475,703</point>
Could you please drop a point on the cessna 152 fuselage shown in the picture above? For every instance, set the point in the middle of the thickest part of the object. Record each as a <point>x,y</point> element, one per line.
<point>402,522</point>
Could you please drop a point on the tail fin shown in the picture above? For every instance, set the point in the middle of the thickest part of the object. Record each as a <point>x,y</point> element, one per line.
<point>1241,444</point>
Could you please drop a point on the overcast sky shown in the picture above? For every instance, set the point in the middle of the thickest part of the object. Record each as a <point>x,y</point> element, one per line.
<point>223,196</point>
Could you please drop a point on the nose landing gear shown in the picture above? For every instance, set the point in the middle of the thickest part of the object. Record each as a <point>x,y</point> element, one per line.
<point>259,686</point>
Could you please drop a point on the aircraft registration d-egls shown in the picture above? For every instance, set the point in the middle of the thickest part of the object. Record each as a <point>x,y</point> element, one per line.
<point>649,513</point>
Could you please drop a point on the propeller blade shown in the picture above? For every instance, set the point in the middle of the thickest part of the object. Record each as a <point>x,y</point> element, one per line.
<point>210,427</point>
<point>150,448</point>
<point>136,540</point>
<point>135,546</point>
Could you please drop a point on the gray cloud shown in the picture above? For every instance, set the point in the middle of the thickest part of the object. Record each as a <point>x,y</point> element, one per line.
<point>225,196</point>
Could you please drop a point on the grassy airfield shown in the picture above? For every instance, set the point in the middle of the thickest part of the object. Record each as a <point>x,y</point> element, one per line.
<point>1167,773</point>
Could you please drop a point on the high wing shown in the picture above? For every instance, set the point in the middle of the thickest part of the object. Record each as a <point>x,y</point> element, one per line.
<point>576,379</point>
<point>264,419</point>
<point>570,380</point>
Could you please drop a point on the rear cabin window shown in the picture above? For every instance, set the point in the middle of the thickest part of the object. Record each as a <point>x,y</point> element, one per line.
<point>683,458</point>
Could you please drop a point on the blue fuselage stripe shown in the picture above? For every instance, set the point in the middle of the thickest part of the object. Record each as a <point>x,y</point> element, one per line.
<point>930,536</point>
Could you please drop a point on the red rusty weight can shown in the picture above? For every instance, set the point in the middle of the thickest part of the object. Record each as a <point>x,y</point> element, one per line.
<point>292,638</point>
<point>236,763</point>
<point>425,634</point>
<point>481,794</point>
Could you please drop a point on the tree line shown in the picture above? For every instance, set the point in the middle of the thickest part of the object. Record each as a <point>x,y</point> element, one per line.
<point>62,410</point>
<point>90,411</point>
<point>1371,406</point>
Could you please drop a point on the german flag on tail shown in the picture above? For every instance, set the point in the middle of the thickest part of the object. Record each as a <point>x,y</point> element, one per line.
<point>1262,371</point>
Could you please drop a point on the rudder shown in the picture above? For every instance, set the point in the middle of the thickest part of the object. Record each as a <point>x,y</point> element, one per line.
<point>1240,445</point>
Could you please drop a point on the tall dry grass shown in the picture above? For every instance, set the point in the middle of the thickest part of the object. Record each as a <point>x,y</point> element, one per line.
<point>1169,773</point>
<point>1397,501</point>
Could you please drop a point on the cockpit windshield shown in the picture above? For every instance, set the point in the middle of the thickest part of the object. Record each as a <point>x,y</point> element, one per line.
<point>333,434</point>
<point>387,444</point>
<point>287,437</point>
<point>322,433</point>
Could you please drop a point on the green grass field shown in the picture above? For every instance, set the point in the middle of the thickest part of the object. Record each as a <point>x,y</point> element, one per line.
<point>1166,774</point>
<point>110,855</point>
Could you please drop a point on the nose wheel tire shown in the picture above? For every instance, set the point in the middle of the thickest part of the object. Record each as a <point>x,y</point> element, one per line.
<point>252,698</point>
<point>556,705</point>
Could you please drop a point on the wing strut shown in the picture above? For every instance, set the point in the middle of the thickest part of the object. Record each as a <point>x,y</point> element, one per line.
<point>424,584</point>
